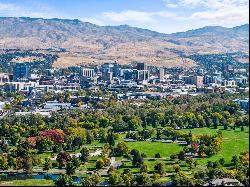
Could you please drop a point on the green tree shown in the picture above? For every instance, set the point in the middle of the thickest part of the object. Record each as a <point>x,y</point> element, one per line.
<point>27,165</point>
<point>64,180</point>
<point>176,168</point>
<point>156,180</point>
<point>159,168</point>
<point>143,179</point>
<point>47,164</point>
<point>144,168</point>
<point>114,178</point>
<point>235,160</point>
<point>99,164</point>
<point>70,168</point>
<point>222,161</point>
<point>128,179</point>
<point>89,137</point>
<point>43,144</point>
<point>111,139</point>
<point>190,162</point>
<point>84,154</point>
<point>181,179</point>
<point>121,149</point>
<point>75,161</point>
<point>137,158</point>
<point>4,163</point>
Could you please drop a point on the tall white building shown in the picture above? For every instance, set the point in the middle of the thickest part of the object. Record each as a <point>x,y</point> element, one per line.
<point>88,72</point>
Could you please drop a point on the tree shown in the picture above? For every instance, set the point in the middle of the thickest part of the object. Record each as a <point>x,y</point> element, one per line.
<point>128,179</point>
<point>181,155</point>
<point>157,155</point>
<point>235,160</point>
<point>27,165</point>
<point>75,161</point>
<point>137,158</point>
<point>57,148</point>
<point>47,164</point>
<point>84,154</point>
<point>99,164</point>
<point>190,162</point>
<point>200,174</point>
<point>144,168</point>
<point>214,173</point>
<point>114,178</point>
<point>106,160</point>
<point>159,168</point>
<point>63,158</point>
<point>177,168</point>
<point>89,137</point>
<point>142,179</point>
<point>43,144</point>
<point>111,139</point>
<point>222,161</point>
<point>87,181</point>
<point>96,179</point>
<point>56,135</point>
<point>181,179</point>
<point>209,164</point>
<point>4,163</point>
<point>11,161</point>
<point>70,168</point>
<point>64,180</point>
<point>155,180</point>
<point>23,150</point>
<point>121,149</point>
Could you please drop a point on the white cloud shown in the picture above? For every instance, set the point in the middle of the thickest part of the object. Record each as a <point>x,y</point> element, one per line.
<point>214,12</point>
<point>34,10</point>
<point>223,12</point>
<point>135,16</point>
<point>214,4</point>
<point>128,15</point>
<point>92,20</point>
<point>171,5</point>
<point>225,16</point>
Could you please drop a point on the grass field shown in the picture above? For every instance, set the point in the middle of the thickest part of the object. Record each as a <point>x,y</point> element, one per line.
<point>151,148</point>
<point>234,142</point>
<point>28,182</point>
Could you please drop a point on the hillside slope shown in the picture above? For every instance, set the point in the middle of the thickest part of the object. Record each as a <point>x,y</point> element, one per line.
<point>81,42</point>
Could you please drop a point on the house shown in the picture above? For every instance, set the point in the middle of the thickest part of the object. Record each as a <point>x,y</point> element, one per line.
<point>54,105</point>
<point>2,105</point>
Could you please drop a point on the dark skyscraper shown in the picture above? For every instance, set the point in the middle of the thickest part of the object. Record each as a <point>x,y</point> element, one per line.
<point>21,71</point>
<point>141,66</point>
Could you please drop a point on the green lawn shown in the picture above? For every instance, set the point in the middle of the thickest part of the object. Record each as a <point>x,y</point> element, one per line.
<point>151,148</point>
<point>28,182</point>
<point>234,142</point>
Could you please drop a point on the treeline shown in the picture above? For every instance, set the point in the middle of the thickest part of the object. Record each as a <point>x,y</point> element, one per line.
<point>7,64</point>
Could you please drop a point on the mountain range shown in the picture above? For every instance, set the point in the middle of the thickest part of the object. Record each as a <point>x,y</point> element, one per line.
<point>77,42</point>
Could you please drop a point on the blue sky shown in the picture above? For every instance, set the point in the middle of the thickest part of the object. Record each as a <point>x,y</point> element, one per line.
<point>165,16</point>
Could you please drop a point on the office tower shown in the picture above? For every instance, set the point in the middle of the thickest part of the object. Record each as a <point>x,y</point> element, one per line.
<point>21,71</point>
<point>161,73</point>
<point>87,72</point>
<point>141,66</point>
